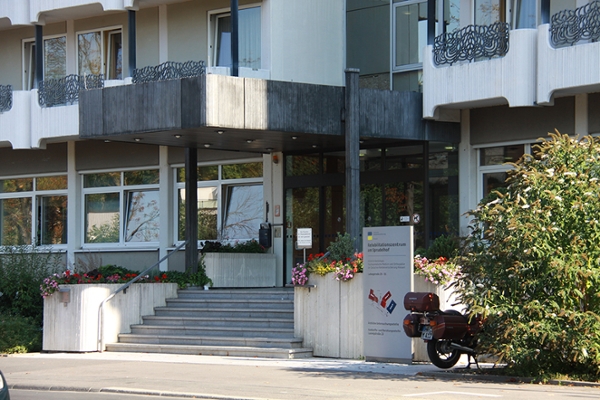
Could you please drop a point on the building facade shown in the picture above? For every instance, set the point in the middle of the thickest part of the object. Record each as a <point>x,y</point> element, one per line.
<point>319,120</point>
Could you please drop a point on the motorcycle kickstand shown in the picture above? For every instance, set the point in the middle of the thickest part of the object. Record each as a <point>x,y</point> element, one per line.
<point>469,361</point>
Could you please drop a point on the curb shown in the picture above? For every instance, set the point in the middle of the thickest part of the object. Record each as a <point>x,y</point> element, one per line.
<point>450,375</point>
<point>116,390</point>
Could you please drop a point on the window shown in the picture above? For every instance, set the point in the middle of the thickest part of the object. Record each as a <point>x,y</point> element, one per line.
<point>493,168</point>
<point>249,38</point>
<point>55,60</point>
<point>121,207</point>
<point>100,52</point>
<point>409,39</point>
<point>525,14</point>
<point>24,200</point>
<point>230,201</point>
<point>488,12</point>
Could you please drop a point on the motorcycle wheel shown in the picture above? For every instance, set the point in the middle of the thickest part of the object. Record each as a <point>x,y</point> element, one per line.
<point>441,355</point>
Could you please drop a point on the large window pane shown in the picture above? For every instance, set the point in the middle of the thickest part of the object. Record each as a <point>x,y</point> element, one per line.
<point>102,218</point>
<point>371,205</point>
<point>143,210</point>
<point>53,220</point>
<point>525,14</point>
<point>492,181</point>
<point>89,53</point>
<point>302,165</point>
<point>451,15</point>
<point>502,154</point>
<point>411,33</point>
<point>55,58</point>
<point>144,177</point>
<point>102,180</point>
<point>115,55</point>
<point>411,81</point>
<point>207,213</point>
<point>243,211</point>
<point>16,221</point>
<point>249,39</point>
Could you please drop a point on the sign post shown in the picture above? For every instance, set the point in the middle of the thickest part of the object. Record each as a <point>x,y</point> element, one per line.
<point>304,242</point>
<point>388,264</point>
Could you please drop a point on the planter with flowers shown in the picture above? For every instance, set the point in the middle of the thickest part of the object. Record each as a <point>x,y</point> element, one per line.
<point>241,264</point>
<point>328,303</point>
<point>72,301</point>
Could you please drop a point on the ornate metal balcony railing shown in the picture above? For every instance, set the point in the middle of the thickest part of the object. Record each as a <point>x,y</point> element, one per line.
<point>169,70</point>
<point>471,43</point>
<point>65,91</point>
<point>6,98</point>
<point>568,27</point>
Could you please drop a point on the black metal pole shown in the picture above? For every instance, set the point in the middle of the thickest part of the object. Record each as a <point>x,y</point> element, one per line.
<point>235,44</point>
<point>132,41</point>
<point>39,55</point>
<point>191,208</point>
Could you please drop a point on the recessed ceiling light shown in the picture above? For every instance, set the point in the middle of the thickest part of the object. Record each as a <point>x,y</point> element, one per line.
<point>220,131</point>
<point>314,146</point>
<point>249,140</point>
<point>294,137</point>
<point>269,149</point>
<point>137,139</point>
<point>207,145</point>
<point>177,136</point>
<point>106,141</point>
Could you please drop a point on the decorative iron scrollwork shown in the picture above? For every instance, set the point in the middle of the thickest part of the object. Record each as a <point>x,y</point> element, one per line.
<point>471,43</point>
<point>6,98</point>
<point>65,91</point>
<point>568,27</point>
<point>169,70</point>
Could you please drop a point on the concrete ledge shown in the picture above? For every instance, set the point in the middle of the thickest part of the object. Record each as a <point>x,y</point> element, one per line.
<point>73,325</point>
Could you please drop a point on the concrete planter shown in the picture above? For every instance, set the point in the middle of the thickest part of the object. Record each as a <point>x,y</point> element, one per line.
<point>71,316</point>
<point>330,316</point>
<point>241,269</point>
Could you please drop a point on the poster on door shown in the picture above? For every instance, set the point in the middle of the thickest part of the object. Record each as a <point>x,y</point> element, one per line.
<point>388,265</point>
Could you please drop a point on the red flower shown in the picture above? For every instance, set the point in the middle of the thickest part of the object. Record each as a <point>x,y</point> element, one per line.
<point>156,278</point>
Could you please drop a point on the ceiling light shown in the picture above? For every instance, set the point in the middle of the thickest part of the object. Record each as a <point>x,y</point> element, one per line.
<point>177,136</point>
<point>314,146</point>
<point>294,137</point>
<point>220,131</point>
<point>207,145</point>
<point>106,141</point>
<point>249,140</point>
<point>137,139</point>
<point>269,149</point>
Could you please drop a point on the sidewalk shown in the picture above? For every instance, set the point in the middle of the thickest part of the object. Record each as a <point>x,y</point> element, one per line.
<point>207,376</point>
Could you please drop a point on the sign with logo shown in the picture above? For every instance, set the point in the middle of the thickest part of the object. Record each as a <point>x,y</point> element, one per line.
<point>388,265</point>
<point>304,236</point>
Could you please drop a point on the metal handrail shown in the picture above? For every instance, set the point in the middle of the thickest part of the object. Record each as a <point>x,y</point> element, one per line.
<point>123,289</point>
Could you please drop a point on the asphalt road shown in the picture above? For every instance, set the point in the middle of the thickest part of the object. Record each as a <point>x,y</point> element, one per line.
<point>108,376</point>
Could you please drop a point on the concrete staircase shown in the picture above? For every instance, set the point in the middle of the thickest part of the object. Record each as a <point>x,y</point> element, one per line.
<point>233,322</point>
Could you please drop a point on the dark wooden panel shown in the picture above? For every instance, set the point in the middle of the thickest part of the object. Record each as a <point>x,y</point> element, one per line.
<point>193,102</point>
<point>90,113</point>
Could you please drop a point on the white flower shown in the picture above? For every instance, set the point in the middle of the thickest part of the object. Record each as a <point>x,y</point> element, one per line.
<point>558,198</point>
<point>569,173</point>
<point>525,206</point>
<point>550,172</point>
<point>527,189</point>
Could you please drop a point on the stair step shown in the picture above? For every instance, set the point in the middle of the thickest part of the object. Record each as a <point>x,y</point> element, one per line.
<point>214,321</point>
<point>212,331</point>
<point>287,343</point>
<point>223,312</point>
<point>211,350</point>
<point>231,303</point>
<point>274,294</point>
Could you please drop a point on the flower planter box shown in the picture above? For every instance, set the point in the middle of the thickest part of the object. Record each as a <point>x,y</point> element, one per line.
<point>71,320</point>
<point>330,316</point>
<point>241,269</point>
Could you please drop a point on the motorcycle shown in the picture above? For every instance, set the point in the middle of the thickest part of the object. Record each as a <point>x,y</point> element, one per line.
<point>448,334</point>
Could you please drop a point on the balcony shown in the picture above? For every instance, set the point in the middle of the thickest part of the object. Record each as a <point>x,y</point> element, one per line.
<point>480,66</point>
<point>569,53</point>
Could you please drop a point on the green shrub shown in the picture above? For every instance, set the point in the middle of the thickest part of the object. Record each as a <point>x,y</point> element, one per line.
<point>443,246</point>
<point>532,267</point>
<point>342,248</point>
<point>248,246</point>
<point>22,270</point>
<point>19,334</point>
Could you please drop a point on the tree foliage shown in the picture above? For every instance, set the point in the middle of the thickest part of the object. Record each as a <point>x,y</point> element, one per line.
<point>533,263</point>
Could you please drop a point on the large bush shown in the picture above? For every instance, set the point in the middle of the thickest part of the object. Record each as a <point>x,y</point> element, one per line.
<point>533,267</point>
<point>19,334</point>
<point>22,270</point>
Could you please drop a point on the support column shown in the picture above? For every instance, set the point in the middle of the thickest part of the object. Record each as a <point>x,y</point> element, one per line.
<point>191,208</point>
<point>581,114</point>
<point>131,33</point>
<point>39,55</point>
<point>352,137</point>
<point>165,194</point>
<point>234,38</point>
<point>469,191</point>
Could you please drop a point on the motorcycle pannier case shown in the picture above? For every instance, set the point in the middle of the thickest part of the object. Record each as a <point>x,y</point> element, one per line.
<point>411,325</point>
<point>421,301</point>
<point>449,326</point>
